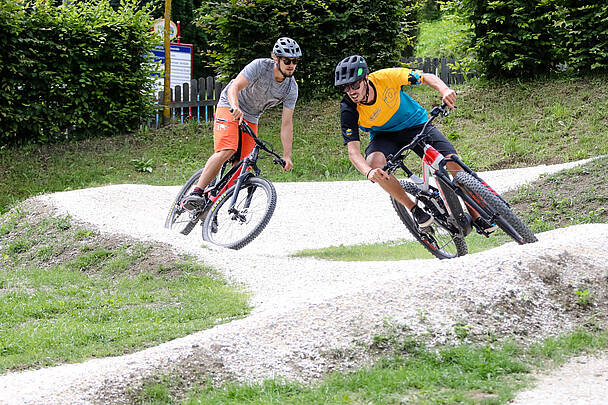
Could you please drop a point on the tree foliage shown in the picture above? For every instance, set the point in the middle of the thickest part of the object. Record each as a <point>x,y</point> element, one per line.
<point>513,38</point>
<point>583,28</point>
<point>327,30</point>
<point>523,38</point>
<point>72,71</point>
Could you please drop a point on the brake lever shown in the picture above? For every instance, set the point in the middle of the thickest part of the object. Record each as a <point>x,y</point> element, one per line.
<point>279,161</point>
<point>389,159</point>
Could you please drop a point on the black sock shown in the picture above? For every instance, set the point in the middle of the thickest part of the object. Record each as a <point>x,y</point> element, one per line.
<point>198,191</point>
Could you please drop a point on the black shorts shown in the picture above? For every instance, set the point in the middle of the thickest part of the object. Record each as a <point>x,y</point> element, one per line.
<point>389,143</point>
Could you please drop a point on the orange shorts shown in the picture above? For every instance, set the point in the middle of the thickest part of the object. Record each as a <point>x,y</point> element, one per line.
<point>226,133</point>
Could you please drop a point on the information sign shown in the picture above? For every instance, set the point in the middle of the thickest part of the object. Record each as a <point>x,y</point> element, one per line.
<point>181,65</point>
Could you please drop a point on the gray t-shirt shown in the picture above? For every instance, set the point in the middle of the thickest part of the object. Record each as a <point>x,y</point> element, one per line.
<point>263,90</point>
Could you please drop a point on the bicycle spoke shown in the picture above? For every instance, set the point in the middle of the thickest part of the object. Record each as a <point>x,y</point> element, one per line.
<point>254,205</point>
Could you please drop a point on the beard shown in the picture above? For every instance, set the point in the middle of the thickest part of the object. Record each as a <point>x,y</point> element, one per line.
<point>283,73</point>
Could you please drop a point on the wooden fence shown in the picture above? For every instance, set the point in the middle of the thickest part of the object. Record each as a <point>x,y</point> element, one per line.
<point>442,67</point>
<point>192,101</point>
<point>196,100</point>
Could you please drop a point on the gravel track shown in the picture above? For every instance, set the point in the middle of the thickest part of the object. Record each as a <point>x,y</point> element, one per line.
<point>308,312</point>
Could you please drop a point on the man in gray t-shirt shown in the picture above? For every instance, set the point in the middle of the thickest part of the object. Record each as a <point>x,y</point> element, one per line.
<point>262,84</point>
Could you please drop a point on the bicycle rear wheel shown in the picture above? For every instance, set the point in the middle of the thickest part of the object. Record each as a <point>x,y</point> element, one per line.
<point>488,198</point>
<point>255,204</point>
<point>180,219</point>
<point>440,241</point>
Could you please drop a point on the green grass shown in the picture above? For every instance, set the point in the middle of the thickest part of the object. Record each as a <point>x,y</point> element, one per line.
<point>575,196</point>
<point>409,372</point>
<point>443,38</point>
<point>396,250</point>
<point>68,294</point>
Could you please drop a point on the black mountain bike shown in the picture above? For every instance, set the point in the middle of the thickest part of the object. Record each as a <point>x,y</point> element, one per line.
<point>445,238</point>
<point>240,202</point>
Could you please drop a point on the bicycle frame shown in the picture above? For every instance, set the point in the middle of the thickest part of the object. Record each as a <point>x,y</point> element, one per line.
<point>241,170</point>
<point>434,165</point>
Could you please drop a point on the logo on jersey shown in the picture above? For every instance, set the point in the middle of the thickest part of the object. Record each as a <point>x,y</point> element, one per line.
<point>390,97</point>
<point>414,77</point>
<point>375,114</point>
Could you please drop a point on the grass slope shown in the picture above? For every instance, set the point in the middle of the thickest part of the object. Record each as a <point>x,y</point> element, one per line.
<point>68,293</point>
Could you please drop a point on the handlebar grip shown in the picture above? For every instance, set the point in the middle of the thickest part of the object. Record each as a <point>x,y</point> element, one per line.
<point>279,161</point>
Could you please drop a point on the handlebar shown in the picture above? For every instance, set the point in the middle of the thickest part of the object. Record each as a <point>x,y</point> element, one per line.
<point>435,112</point>
<point>244,127</point>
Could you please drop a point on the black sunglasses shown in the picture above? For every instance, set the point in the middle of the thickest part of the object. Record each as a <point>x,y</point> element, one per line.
<point>355,86</point>
<point>288,61</point>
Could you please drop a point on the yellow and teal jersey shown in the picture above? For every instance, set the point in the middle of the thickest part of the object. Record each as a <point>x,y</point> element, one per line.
<point>392,110</point>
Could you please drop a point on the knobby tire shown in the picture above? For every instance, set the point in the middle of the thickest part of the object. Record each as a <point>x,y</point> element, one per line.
<point>180,219</point>
<point>486,197</point>
<point>221,228</point>
<point>449,247</point>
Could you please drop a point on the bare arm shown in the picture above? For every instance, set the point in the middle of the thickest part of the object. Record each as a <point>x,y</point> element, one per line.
<point>447,95</point>
<point>356,158</point>
<point>287,136</point>
<point>233,96</point>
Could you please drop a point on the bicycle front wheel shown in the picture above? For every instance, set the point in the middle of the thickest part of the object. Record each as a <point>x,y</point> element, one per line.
<point>438,240</point>
<point>235,227</point>
<point>507,220</point>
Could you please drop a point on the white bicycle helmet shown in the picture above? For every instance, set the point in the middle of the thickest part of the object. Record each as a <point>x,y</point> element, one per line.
<point>287,48</point>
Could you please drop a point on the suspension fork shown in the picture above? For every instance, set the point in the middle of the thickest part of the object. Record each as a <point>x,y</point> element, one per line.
<point>466,168</point>
<point>484,212</point>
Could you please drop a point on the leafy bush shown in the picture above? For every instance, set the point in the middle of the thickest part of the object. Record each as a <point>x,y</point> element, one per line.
<point>584,29</point>
<point>514,38</point>
<point>430,10</point>
<point>327,30</point>
<point>72,71</point>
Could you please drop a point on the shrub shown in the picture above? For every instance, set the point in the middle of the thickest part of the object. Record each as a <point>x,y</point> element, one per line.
<point>327,30</point>
<point>514,38</point>
<point>583,26</point>
<point>72,71</point>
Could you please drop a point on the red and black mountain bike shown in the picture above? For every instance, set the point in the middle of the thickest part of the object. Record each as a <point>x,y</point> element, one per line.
<point>240,202</point>
<point>448,198</point>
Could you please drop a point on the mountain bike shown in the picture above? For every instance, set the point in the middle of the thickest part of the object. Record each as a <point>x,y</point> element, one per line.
<point>447,199</point>
<point>239,202</point>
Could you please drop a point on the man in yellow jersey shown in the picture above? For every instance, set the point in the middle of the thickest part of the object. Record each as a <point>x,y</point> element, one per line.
<point>376,104</point>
